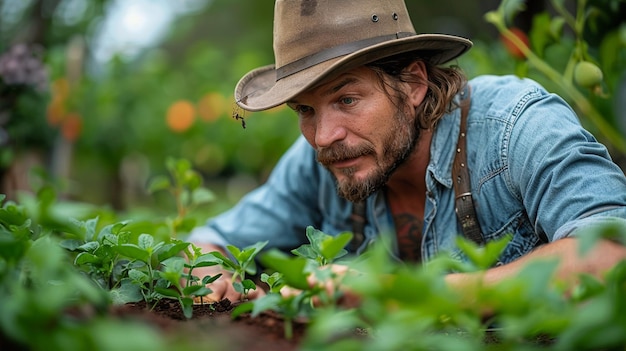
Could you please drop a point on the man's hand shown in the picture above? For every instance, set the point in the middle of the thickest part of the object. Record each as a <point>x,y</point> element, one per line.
<point>223,287</point>
<point>348,298</point>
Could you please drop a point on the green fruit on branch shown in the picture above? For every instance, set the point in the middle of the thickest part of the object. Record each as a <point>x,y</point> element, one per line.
<point>587,74</point>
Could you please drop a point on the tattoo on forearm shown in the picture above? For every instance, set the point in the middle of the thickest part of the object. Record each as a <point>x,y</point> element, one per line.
<point>409,232</point>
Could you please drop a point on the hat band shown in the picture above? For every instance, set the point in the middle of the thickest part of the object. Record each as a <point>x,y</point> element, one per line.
<point>334,52</point>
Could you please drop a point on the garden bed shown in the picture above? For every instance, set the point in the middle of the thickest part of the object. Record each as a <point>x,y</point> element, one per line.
<point>212,323</point>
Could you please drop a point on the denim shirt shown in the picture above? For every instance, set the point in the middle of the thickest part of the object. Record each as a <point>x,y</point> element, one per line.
<point>535,173</point>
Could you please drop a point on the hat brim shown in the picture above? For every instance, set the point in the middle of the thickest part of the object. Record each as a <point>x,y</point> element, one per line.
<point>258,90</point>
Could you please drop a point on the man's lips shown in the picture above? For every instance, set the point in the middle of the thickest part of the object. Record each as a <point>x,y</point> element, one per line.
<point>346,163</point>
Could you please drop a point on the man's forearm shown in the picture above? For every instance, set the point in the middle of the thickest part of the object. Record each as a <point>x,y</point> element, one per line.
<point>597,261</point>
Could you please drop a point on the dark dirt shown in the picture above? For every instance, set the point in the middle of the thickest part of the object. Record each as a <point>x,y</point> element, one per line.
<point>212,323</point>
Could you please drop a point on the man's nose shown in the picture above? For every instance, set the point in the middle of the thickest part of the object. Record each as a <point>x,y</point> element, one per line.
<point>330,128</point>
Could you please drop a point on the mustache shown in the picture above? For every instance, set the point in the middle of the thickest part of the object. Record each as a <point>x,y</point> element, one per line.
<point>340,152</point>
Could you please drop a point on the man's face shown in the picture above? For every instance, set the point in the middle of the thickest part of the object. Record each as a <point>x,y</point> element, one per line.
<point>360,134</point>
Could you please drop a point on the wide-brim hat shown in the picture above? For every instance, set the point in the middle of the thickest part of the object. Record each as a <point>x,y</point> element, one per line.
<point>316,39</point>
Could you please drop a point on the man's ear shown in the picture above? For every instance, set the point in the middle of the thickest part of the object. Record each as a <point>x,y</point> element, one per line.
<point>417,87</point>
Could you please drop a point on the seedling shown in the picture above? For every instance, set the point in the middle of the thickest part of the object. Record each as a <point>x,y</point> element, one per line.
<point>146,257</point>
<point>242,264</point>
<point>185,184</point>
<point>323,248</point>
<point>292,271</point>
<point>173,274</point>
<point>97,255</point>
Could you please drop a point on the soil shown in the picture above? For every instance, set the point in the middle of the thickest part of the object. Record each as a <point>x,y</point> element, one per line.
<point>212,323</point>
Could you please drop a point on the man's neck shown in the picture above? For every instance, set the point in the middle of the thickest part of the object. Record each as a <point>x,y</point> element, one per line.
<point>409,180</point>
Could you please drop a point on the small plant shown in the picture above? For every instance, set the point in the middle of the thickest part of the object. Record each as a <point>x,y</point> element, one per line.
<point>97,255</point>
<point>323,248</point>
<point>146,258</point>
<point>293,271</point>
<point>185,184</point>
<point>194,287</point>
<point>242,265</point>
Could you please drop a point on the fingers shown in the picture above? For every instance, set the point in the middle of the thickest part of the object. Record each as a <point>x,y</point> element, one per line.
<point>223,289</point>
<point>287,291</point>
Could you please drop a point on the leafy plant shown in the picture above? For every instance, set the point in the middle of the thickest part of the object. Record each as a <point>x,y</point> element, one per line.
<point>48,304</point>
<point>193,286</point>
<point>323,248</point>
<point>581,69</point>
<point>410,307</point>
<point>146,258</point>
<point>185,184</point>
<point>97,255</point>
<point>293,271</point>
<point>242,264</point>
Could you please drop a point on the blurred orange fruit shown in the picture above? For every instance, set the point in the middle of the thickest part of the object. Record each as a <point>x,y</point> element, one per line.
<point>513,49</point>
<point>211,106</point>
<point>180,116</point>
<point>55,112</point>
<point>72,126</point>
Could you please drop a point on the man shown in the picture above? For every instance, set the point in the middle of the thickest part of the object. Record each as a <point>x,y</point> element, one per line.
<point>380,120</point>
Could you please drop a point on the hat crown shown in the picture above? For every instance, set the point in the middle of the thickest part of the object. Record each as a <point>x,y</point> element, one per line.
<point>303,28</point>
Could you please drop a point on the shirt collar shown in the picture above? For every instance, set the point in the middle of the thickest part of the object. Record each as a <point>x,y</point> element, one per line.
<point>442,147</point>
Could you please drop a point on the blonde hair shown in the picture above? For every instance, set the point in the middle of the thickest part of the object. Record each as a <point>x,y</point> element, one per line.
<point>443,83</point>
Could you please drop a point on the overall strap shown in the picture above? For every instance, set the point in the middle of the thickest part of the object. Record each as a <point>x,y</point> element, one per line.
<point>465,211</point>
<point>358,225</point>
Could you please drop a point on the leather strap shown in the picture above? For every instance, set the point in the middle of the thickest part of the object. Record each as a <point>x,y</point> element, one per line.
<point>358,225</point>
<point>465,211</point>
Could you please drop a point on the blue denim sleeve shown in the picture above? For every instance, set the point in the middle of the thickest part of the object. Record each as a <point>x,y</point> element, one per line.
<point>277,211</point>
<point>564,177</point>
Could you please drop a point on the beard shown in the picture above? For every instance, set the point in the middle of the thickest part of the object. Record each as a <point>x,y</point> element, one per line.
<point>398,143</point>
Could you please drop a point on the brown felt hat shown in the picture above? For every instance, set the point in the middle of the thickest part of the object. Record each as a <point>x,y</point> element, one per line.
<point>315,39</point>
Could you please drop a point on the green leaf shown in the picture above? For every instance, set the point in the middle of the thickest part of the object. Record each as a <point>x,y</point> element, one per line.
<point>225,261</point>
<point>187,305</point>
<point>210,279</point>
<point>267,302</point>
<point>134,252</point>
<point>12,214</point>
<point>510,9</point>
<point>171,249</point>
<point>90,246</point>
<point>202,196</point>
<point>186,224</point>
<point>486,256</point>
<point>174,264</point>
<point>588,286</point>
<point>206,260</point>
<point>196,290</point>
<point>292,268</point>
<point>333,247</point>
<point>167,292</point>
<point>70,244</point>
<point>540,34</point>
<point>238,287</point>
<point>242,308</point>
<point>86,258</point>
<point>305,251</point>
<point>159,183</point>
<point>127,292</point>
<point>145,241</point>
<point>192,180</point>
<point>138,276</point>
<point>274,281</point>
<point>556,28</point>
<point>248,284</point>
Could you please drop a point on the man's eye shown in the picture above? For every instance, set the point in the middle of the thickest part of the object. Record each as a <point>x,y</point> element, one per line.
<point>302,109</point>
<point>347,100</point>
